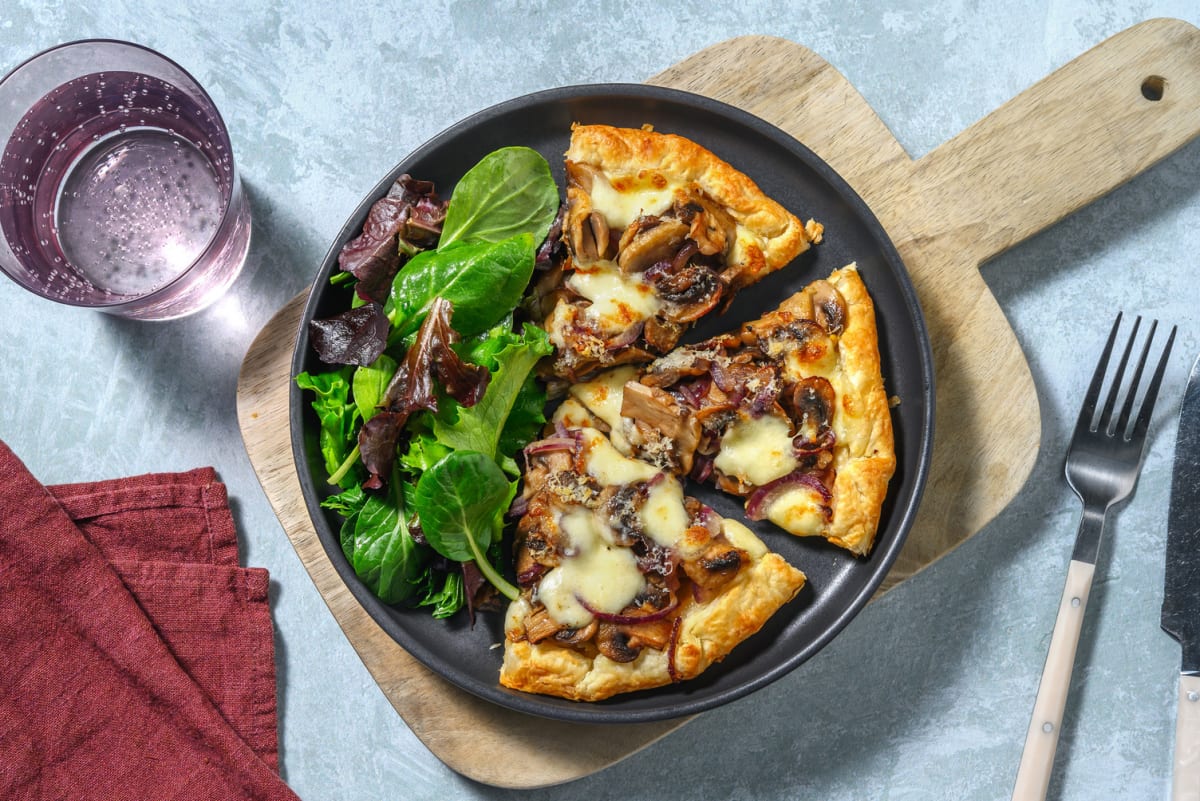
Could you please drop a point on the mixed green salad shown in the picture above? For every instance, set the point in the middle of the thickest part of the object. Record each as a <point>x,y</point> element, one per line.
<point>430,392</point>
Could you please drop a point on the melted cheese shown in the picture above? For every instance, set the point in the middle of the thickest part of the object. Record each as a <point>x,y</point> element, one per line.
<point>757,451</point>
<point>798,510</point>
<point>594,572</point>
<point>608,466</point>
<point>663,517</point>
<point>741,537</point>
<point>618,300</point>
<point>603,396</point>
<point>633,196</point>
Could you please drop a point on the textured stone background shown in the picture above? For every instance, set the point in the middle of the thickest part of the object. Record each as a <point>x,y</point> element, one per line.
<point>927,693</point>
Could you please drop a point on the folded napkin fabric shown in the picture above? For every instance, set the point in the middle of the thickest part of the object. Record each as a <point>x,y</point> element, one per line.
<point>136,656</point>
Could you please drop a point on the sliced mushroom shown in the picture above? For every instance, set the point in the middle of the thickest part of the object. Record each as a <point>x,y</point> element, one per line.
<point>582,175</point>
<point>661,412</point>
<point>661,335</point>
<point>829,307</point>
<point>810,407</point>
<point>589,237</point>
<point>648,240</point>
<point>651,634</point>
<point>715,568</point>
<point>615,643</point>
<point>710,226</point>
<point>576,636</point>
<point>539,625</point>
<point>690,293</point>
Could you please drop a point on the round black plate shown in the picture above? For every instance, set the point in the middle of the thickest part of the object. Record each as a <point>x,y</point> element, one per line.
<point>839,585</point>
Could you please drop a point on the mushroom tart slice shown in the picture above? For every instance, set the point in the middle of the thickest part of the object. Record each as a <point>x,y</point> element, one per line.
<point>659,232</point>
<point>789,412</point>
<point>625,583</point>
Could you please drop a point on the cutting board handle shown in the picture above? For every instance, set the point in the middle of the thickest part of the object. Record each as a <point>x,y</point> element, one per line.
<point>1079,133</point>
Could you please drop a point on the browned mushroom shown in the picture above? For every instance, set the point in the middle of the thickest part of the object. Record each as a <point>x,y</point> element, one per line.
<point>715,568</point>
<point>661,335</point>
<point>689,292</point>
<point>689,360</point>
<point>647,240</point>
<point>710,227</point>
<point>589,236</point>
<point>810,405</point>
<point>539,625</point>
<point>576,636</point>
<point>662,413</point>
<point>829,307</point>
<point>652,634</point>
<point>614,643</point>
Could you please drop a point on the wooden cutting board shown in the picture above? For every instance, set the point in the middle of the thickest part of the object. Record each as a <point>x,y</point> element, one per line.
<point>1089,127</point>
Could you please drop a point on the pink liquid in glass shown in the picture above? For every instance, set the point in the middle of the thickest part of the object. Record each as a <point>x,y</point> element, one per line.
<point>114,192</point>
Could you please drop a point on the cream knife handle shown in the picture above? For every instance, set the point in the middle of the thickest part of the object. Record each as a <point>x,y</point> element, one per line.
<point>1033,776</point>
<point>1185,777</point>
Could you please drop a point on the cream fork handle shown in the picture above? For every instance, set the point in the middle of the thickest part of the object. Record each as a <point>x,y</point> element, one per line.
<point>1185,778</point>
<point>1037,760</point>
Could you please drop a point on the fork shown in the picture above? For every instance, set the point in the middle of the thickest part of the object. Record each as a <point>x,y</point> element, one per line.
<point>1103,463</point>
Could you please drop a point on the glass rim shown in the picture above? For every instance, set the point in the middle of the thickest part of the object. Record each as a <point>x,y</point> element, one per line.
<point>235,177</point>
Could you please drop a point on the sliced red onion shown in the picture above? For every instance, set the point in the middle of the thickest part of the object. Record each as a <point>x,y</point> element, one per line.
<point>550,444</point>
<point>709,519</point>
<point>629,620</point>
<point>531,575</point>
<point>694,392</point>
<point>626,337</point>
<point>518,507</point>
<point>762,498</point>
<point>702,467</point>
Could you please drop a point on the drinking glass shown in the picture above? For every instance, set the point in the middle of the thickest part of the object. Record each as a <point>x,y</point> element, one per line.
<point>118,189</point>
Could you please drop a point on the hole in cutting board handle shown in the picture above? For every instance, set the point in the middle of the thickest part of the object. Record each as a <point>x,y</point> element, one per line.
<point>1153,87</point>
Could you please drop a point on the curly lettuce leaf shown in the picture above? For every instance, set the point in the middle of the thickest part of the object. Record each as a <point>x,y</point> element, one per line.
<point>337,413</point>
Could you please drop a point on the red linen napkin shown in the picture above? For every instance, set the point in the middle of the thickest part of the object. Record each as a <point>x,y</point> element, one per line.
<point>136,656</point>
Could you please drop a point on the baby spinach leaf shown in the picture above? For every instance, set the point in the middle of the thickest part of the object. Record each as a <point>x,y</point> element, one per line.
<point>510,191</point>
<point>338,415</point>
<point>457,500</point>
<point>483,281</point>
<point>369,382</point>
<point>384,554</point>
<point>347,504</point>
<point>461,501</point>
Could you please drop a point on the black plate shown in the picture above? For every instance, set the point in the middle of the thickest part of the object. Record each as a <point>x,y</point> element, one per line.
<point>839,585</point>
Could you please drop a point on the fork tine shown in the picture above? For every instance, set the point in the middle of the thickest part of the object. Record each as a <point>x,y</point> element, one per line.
<point>1088,412</point>
<point>1105,421</point>
<point>1143,419</point>
<point>1131,396</point>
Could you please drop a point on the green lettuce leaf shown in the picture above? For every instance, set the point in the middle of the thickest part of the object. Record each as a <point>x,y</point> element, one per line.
<point>338,415</point>
<point>510,191</point>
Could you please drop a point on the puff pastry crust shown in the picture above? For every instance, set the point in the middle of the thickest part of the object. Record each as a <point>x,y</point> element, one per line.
<point>660,231</point>
<point>792,412</point>
<point>711,606</point>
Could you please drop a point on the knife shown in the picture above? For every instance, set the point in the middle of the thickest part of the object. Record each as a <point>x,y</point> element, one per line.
<point>1181,590</point>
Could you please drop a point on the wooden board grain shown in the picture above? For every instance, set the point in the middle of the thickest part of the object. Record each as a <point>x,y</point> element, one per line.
<point>1076,135</point>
